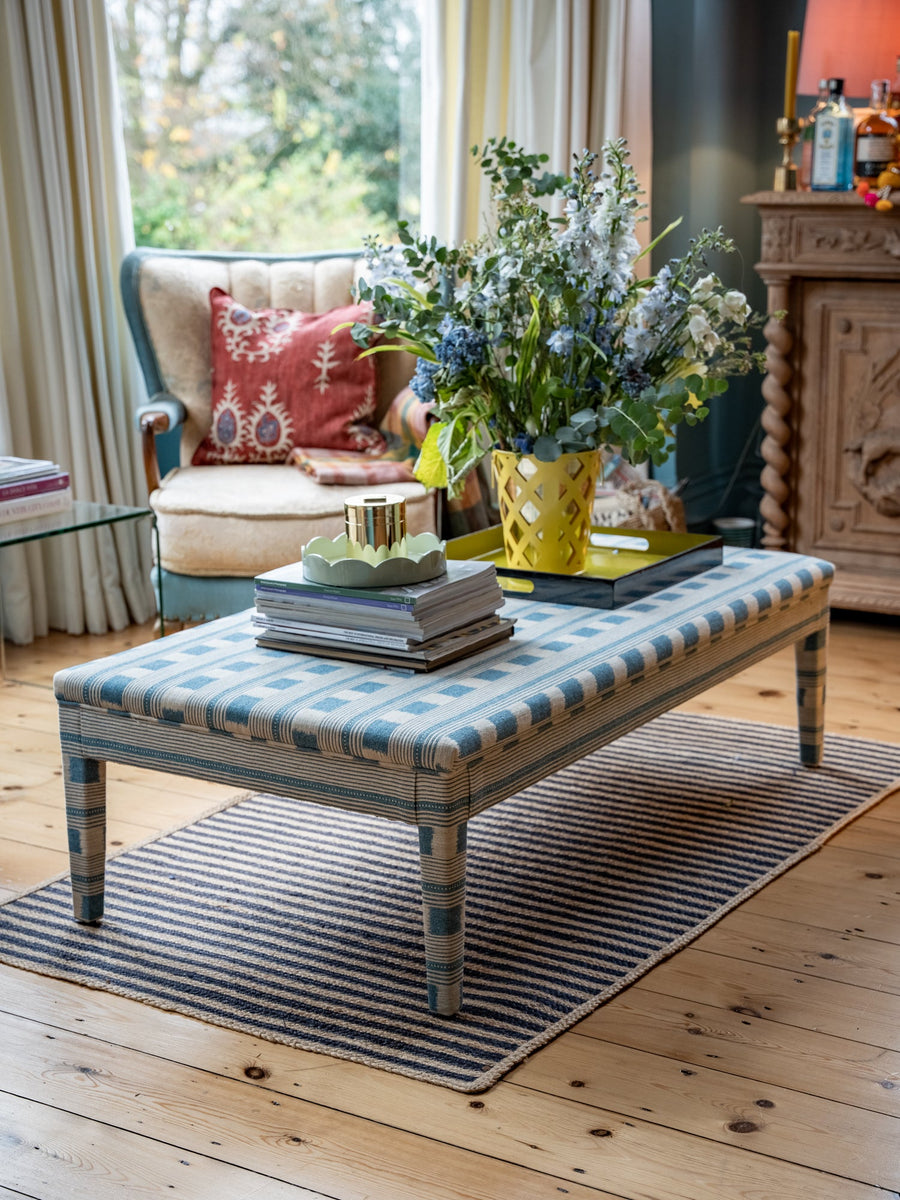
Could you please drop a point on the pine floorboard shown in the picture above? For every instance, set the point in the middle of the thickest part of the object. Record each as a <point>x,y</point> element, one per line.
<point>760,1062</point>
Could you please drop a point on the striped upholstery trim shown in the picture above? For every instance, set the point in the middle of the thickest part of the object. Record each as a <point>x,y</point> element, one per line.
<point>301,926</point>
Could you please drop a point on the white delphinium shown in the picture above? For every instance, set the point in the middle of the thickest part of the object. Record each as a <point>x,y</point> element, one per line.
<point>576,240</point>
<point>651,319</point>
<point>614,245</point>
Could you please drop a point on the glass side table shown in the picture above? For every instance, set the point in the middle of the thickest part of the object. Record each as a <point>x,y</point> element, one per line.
<point>84,514</point>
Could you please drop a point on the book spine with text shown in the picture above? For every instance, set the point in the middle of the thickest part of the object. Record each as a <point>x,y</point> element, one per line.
<point>35,506</point>
<point>34,487</point>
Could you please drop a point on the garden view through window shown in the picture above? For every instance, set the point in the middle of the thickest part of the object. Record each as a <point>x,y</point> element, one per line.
<point>278,126</point>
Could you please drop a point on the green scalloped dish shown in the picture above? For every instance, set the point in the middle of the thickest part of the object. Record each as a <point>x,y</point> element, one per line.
<point>623,565</point>
<point>325,561</point>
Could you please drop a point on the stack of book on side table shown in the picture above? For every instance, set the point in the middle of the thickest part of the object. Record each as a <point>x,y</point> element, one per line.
<point>32,487</point>
<point>417,626</point>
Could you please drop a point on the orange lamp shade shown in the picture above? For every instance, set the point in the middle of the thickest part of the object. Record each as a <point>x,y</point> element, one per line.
<point>856,42</point>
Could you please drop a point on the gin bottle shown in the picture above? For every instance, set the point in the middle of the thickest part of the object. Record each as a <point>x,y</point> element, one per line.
<point>832,160</point>
<point>806,137</point>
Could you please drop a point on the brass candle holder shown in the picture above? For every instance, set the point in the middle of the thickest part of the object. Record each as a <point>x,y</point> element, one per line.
<point>788,129</point>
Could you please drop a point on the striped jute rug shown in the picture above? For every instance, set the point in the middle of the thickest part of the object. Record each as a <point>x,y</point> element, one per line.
<point>302,925</point>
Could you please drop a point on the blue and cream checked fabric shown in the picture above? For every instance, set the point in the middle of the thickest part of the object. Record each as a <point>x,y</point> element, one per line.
<point>213,677</point>
<point>432,750</point>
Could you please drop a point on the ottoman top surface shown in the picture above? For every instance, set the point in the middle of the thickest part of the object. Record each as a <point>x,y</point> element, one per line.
<point>214,676</point>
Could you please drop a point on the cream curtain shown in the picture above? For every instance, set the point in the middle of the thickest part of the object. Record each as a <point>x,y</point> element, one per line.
<point>68,381</point>
<point>556,76</point>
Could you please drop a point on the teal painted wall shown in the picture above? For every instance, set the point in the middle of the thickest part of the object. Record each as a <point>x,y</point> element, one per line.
<point>718,89</point>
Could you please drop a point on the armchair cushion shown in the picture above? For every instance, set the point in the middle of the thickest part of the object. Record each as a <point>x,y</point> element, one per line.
<point>246,519</point>
<point>282,378</point>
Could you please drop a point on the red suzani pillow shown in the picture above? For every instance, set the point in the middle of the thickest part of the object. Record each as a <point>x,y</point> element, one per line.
<point>283,378</point>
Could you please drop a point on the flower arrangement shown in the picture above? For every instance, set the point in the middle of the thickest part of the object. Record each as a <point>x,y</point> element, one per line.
<point>538,338</point>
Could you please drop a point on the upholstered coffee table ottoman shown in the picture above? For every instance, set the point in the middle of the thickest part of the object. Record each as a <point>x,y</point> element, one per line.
<point>436,749</point>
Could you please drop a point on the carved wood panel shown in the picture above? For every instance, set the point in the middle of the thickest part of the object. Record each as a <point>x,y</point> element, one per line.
<point>846,489</point>
<point>832,418</point>
<point>824,239</point>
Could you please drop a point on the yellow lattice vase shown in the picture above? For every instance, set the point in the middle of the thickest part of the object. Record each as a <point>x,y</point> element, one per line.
<point>545,508</point>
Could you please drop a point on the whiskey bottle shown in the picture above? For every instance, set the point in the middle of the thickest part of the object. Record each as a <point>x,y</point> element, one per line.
<point>876,136</point>
<point>806,137</point>
<point>832,160</point>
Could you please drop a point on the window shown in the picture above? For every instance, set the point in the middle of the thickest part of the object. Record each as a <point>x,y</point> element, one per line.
<point>277,126</point>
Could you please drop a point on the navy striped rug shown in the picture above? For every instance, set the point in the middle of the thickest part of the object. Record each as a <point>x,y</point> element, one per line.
<point>302,925</point>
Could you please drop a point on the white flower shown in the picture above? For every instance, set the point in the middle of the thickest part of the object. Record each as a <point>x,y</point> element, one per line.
<point>733,306</point>
<point>650,320</point>
<point>704,287</point>
<point>700,332</point>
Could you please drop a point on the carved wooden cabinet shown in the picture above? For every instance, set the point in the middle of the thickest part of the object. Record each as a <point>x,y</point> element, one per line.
<point>831,479</point>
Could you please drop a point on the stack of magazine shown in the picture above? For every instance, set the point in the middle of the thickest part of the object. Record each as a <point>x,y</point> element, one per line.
<point>417,626</point>
<point>32,487</point>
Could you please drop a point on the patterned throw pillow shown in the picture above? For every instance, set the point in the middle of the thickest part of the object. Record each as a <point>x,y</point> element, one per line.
<point>283,378</point>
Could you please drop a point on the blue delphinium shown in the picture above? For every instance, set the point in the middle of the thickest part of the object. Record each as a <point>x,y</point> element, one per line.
<point>422,382</point>
<point>562,340</point>
<point>544,336</point>
<point>461,347</point>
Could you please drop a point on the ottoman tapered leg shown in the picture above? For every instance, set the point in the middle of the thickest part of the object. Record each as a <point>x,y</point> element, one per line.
<point>811,655</point>
<point>442,857</point>
<point>84,780</point>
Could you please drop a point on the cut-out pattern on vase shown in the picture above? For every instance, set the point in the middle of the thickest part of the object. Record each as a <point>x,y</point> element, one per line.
<point>545,509</point>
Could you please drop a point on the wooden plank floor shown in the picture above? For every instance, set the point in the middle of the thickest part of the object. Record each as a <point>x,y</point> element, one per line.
<point>762,1062</point>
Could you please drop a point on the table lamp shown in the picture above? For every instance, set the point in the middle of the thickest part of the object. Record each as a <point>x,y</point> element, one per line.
<point>856,43</point>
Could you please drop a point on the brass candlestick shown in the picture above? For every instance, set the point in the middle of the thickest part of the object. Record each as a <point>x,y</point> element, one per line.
<point>786,174</point>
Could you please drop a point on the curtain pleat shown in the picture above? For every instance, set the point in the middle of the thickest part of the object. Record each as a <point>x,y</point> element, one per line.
<point>69,379</point>
<point>554,75</point>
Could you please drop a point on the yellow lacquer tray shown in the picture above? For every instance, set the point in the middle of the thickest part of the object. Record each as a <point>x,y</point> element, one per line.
<point>623,565</point>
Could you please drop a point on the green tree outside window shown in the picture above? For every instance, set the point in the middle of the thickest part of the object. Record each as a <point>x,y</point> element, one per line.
<point>285,125</point>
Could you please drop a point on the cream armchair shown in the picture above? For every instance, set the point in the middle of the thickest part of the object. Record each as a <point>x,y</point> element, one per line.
<point>221,525</point>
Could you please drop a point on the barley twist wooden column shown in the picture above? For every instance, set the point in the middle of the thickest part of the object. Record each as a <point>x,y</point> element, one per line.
<point>775,447</point>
